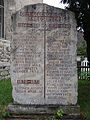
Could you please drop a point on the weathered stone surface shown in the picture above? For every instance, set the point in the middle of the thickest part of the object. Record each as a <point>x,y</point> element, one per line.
<point>19,4</point>
<point>43,109</point>
<point>11,6</point>
<point>4,59</point>
<point>43,56</point>
<point>42,112</point>
<point>4,51</point>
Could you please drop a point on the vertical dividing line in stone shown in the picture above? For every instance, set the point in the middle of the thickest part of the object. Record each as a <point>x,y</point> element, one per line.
<point>44,52</point>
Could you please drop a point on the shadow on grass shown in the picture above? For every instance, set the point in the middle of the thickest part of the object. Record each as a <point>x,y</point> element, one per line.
<point>84,97</point>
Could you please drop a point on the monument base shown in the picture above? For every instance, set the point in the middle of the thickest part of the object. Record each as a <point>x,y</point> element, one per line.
<point>42,112</point>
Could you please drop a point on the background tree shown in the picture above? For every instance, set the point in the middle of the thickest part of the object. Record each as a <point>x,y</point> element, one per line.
<point>81,45</point>
<point>81,8</point>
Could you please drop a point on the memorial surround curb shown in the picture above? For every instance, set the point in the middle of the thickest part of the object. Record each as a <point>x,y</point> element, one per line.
<point>42,112</point>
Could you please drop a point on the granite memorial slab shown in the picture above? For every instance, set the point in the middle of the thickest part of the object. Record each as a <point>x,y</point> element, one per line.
<point>43,56</point>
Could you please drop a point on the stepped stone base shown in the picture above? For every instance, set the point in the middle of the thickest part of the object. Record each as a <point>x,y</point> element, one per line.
<point>42,112</point>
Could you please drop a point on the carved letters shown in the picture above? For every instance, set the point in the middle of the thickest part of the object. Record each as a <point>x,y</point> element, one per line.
<point>43,56</point>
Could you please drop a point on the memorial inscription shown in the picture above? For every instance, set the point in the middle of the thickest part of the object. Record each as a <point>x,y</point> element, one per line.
<point>43,68</point>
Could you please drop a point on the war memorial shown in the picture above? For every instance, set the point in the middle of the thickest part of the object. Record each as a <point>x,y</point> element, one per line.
<point>43,62</point>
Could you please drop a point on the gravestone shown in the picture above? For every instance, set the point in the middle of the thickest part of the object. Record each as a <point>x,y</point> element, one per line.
<point>43,57</point>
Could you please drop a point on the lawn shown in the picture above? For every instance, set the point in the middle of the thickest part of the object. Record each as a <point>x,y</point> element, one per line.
<point>5,95</point>
<point>83,99</point>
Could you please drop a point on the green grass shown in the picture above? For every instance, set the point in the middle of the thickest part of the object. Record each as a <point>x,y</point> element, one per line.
<point>5,95</point>
<point>84,97</point>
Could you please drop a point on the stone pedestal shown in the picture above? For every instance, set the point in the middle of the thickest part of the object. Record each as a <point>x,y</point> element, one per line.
<point>43,112</point>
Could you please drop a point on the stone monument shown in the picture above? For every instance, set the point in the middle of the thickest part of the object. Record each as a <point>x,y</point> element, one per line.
<point>43,60</point>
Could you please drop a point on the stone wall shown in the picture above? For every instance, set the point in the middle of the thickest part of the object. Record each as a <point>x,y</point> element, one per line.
<point>4,59</point>
<point>7,19</point>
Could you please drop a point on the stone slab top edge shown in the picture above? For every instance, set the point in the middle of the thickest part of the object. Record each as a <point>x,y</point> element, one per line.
<point>46,105</point>
<point>44,4</point>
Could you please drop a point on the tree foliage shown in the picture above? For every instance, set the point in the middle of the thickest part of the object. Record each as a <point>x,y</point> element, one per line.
<point>81,8</point>
<point>81,49</point>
